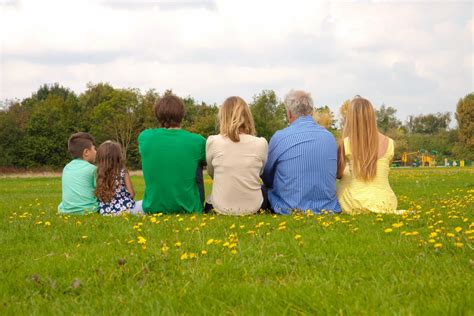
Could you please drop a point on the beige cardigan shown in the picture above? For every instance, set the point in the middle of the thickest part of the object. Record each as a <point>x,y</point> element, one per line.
<point>236,169</point>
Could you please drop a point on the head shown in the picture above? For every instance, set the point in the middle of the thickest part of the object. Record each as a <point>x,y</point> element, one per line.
<point>82,146</point>
<point>361,128</point>
<point>235,118</point>
<point>298,103</point>
<point>109,165</point>
<point>169,111</point>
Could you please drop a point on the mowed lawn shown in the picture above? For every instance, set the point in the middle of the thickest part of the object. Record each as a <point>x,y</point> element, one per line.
<point>421,263</point>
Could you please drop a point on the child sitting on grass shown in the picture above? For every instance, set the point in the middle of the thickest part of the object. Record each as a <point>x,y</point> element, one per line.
<point>114,187</point>
<point>78,178</point>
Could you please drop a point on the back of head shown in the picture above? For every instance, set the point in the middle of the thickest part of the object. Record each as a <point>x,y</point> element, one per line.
<point>361,128</point>
<point>78,142</point>
<point>109,164</point>
<point>299,103</point>
<point>234,118</point>
<point>169,111</point>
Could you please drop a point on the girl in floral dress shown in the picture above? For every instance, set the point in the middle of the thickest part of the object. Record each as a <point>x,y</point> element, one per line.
<point>114,189</point>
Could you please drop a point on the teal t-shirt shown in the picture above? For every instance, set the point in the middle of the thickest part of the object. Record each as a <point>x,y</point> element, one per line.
<point>78,188</point>
<point>170,158</point>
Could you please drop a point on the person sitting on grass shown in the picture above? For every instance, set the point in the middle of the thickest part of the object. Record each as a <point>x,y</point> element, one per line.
<point>302,162</point>
<point>235,160</point>
<point>171,159</point>
<point>78,178</point>
<point>114,188</point>
<point>368,153</point>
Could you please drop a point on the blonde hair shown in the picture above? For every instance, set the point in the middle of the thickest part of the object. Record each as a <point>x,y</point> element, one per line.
<point>234,118</point>
<point>361,128</point>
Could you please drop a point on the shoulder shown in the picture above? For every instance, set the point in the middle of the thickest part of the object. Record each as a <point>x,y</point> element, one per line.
<point>144,134</point>
<point>194,137</point>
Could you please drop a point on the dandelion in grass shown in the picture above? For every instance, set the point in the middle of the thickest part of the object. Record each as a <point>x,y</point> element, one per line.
<point>438,245</point>
<point>459,245</point>
<point>388,230</point>
<point>458,229</point>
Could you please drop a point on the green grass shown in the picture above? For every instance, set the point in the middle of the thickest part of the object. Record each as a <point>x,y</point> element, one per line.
<point>340,265</point>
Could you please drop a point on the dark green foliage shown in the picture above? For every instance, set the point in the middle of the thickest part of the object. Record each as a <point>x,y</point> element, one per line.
<point>269,114</point>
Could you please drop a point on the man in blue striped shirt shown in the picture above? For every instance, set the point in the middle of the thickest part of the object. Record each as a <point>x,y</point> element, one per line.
<point>302,162</point>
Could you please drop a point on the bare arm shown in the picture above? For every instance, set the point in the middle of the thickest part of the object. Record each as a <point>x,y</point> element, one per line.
<point>129,185</point>
<point>341,161</point>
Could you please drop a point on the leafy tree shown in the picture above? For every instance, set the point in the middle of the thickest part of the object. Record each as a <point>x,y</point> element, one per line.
<point>465,119</point>
<point>117,118</point>
<point>387,119</point>
<point>268,113</point>
<point>429,124</point>
<point>324,117</point>
<point>343,112</point>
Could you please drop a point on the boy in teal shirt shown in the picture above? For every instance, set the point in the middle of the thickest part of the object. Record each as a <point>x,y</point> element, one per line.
<point>79,177</point>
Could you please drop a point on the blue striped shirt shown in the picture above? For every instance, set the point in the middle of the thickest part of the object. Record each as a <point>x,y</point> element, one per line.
<point>301,168</point>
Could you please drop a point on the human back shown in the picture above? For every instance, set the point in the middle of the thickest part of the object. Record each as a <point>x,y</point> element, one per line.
<point>367,153</point>
<point>235,161</point>
<point>302,162</point>
<point>170,158</point>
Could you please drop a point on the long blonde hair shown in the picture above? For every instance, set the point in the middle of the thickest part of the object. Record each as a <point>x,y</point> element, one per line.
<point>234,118</point>
<point>361,128</point>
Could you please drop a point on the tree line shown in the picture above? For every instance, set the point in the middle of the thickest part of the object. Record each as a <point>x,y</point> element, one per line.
<point>34,131</point>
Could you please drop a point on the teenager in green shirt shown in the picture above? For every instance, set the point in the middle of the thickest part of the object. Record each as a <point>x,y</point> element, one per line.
<point>78,178</point>
<point>170,158</point>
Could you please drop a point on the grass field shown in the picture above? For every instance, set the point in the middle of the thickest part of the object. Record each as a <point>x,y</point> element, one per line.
<point>421,263</point>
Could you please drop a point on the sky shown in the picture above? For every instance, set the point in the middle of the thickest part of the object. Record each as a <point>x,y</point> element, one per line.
<point>416,56</point>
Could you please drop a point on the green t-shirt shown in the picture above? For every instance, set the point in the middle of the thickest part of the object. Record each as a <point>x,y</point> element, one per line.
<point>170,158</point>
<point>78,188</point>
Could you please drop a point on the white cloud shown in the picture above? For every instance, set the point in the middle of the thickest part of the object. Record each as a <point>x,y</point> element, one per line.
<point>416,56</point>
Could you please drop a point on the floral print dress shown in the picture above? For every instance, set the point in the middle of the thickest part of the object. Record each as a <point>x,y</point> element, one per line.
<point>121,202</point>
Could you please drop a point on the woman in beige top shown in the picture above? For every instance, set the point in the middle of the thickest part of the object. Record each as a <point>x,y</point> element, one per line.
<point>235,160</point>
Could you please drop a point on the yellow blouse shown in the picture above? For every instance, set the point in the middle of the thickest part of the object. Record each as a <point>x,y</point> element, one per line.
<point>357,196</point>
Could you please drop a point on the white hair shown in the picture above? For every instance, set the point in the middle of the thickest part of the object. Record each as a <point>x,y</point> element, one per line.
<point>299,103</point>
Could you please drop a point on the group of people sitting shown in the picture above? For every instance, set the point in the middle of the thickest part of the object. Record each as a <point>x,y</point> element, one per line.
<point>296,171</point>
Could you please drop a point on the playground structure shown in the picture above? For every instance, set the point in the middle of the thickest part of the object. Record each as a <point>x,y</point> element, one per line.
<point>423,158</point>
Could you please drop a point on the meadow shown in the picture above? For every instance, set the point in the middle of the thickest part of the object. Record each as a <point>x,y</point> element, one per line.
<point>421,263</point>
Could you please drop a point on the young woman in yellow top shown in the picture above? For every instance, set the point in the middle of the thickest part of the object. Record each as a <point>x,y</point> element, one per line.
<point>364,163</point>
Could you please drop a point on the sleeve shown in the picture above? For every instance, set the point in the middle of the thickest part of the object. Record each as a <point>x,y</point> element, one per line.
<point>94,177</point>
<point>264,154</point>
<point>209,156</point>
<point>272,161</point>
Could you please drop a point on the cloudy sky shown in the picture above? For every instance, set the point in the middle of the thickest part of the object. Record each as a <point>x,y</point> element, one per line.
<point>414,55</point>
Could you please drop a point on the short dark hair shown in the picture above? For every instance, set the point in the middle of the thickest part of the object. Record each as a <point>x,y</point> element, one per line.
<point>169,111</point>
<point>78,142</point>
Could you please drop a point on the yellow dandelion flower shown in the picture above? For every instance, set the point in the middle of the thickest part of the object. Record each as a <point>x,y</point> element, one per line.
<point>282,228</point>
<point>459,245</point>
<point>192,255</point>
<point>233,251</point>
<point>438,245</point>
<point>433,234</point>
<point>388,230</point>
<point>431,241</point>
<point>210,241</point>
<point>47,223</point>
<point>165,248</point>
<point>153,219</point>
<point>232,226</point>
<point>177,244</point>
<point>458,229</point>
<point>450,235</point>
<point>184,256</point>
<point>141,240</point>
<point>180,219</point>
<point>84,237</point>
<point>297,237</point>
<point>203,252</point>
<point>397,225</point>
<point>131,241</point>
